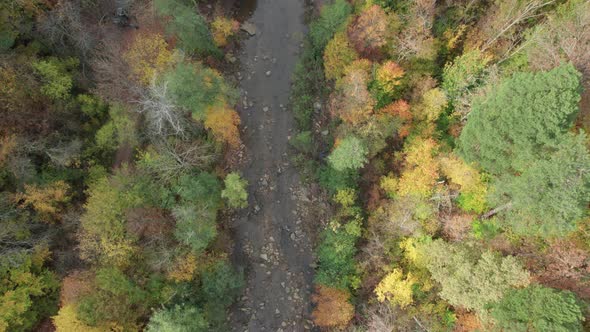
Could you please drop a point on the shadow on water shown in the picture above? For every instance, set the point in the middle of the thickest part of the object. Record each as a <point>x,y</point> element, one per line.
<point>241,9</point>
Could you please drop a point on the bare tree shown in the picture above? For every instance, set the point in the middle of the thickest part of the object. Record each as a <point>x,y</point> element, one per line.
<point>164,118</point>
<point>505,16</point>
<point>64,28</point>
<point>563,37</point>
<point>112,73</point>
<point>173,157</point>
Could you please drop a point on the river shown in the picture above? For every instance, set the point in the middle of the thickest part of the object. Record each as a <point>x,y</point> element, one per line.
<point>272,244</point>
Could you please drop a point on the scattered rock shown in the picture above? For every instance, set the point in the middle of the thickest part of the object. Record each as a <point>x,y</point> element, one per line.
<point>268,73</point>
<point>317,106</point>
<point>325,132</point>
<point>264,256</point>
<point>265,108</point>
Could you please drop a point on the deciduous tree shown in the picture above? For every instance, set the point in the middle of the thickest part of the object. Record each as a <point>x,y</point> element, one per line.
<point>350,153</point>
<point>223,123</point>
<point>353,102</point>
<point>235,191</point>
<point>57,76</point>
<point>148,56</point>
<point>337,56</point>
<point>223,28</point>
<point>333,308</point>
<point>471,280</point>
<point>388,76</point>
<point>396,288</point>
<point>47,200</point>
<point>369,32</point>
<point>185,318</point>
<point>421,168</point>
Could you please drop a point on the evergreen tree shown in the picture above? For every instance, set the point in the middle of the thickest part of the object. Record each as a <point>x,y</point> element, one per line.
<point>538,308</point>
<point>519,119</point>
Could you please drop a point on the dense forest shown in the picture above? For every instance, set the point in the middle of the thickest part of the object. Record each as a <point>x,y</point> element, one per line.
<point>448,136</point>
<point>453,146</point>
<point>114,123</point>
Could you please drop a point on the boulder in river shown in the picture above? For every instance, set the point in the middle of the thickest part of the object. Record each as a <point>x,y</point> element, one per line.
<point>249,28</point>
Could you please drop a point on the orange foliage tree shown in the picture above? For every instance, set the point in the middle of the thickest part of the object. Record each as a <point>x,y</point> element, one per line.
<point>222,28</point>
<point>223,123</point>
<point>354,102</point>
<point>332,307</point>
<point>401,110</point>
<point>369,33</point>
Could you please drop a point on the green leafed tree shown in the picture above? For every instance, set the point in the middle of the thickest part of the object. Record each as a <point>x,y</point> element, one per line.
<point>195,88</point>
<point>221,285</point>
<point>464,73</point>
<point>57,76</point>
<point>115,298</point>
<point>235,191</point>
<point>514,124</point>
<point>351,153</point>
<point>538,308</point>
<point>28,291</point>
<point>195,226</point>
<point>118,130</point>
<point>203,189</point>
<point>188,25</point>
<point>336,252</point>
<point>332,16</point>
<point>103,236</point>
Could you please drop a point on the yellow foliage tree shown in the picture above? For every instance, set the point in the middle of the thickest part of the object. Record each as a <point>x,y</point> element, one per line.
<point>345,197</point>
<point>431,106</point>
<point>460,173</point>
<point>184,268</point>
<point>421,168</point>
<point>388,76</point>
<point>413,253</point>
<point>473,188</point>
<point>389,185</point>
<point>148,56</point>
<point>396,289</point>
<point>222,28</point>
<point>7,145</point>
<point>67,321</point>
<point>337,56</point>
<point>223,123</point>
<point>46,200</point>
